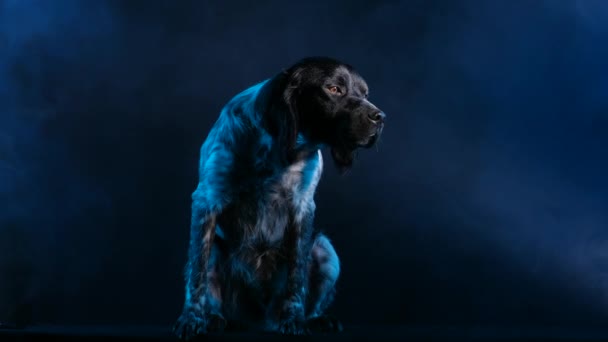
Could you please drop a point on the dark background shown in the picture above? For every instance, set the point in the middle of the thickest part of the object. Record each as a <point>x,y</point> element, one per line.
<point>484,203</point>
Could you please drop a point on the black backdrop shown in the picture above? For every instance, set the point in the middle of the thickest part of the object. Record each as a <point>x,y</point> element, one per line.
<point>484,203</point>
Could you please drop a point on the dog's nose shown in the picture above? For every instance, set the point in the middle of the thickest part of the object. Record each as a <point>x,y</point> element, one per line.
<point>377,117</point>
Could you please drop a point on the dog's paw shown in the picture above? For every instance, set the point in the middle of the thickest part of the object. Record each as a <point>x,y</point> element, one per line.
<point>191,324</point>
<point>324,323</point>
<point>293,327</point>
<point>215,323</point>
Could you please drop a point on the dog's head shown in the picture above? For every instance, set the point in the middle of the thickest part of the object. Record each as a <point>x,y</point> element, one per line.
<point>327,102</point>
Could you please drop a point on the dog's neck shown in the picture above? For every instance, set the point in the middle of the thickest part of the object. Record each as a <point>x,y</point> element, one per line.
<point>305,148</point>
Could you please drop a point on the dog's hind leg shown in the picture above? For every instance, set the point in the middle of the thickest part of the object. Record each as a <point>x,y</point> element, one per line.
<point>213,295</point>
<point>323,275</point>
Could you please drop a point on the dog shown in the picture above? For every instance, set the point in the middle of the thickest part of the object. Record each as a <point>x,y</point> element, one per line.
<point>255,259</point>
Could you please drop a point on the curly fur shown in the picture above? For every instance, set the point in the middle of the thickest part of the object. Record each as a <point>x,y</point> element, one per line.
<point>255,259</point>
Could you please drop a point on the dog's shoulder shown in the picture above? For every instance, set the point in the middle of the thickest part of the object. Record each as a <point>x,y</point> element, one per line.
<point>238,120</point>
<point>237,133</point>
<point>242,107</point>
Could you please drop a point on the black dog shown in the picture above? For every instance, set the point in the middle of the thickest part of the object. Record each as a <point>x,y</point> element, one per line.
<point>254,256</point>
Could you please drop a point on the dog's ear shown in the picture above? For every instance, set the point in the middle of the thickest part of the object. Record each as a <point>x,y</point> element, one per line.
<point>277,101</point>
<point>343,158</point>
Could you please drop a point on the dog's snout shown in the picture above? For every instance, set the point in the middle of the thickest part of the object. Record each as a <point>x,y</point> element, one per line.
<point>377,117</point>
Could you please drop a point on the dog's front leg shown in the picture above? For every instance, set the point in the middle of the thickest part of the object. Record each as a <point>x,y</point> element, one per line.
<point>196,317</point>
<point>297,244</point>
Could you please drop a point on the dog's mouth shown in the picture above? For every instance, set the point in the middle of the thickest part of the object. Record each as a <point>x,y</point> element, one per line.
<point>369,141</point>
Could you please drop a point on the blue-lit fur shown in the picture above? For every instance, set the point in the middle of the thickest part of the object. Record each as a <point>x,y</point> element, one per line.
<point>253,251</point>
<point>255,257</point>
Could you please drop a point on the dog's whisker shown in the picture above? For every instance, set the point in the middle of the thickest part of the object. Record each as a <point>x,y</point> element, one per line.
<point>378,144</point>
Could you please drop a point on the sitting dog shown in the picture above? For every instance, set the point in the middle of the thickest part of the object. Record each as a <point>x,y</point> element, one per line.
<point>255,258</point>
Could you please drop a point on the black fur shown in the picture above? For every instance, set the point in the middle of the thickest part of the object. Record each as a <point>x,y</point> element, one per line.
<point>255,259</point>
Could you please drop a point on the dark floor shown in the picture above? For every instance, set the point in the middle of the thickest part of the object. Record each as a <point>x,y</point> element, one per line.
<point>352,333</point>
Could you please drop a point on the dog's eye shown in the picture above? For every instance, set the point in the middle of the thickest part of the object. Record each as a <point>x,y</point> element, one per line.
<point>334,90</point>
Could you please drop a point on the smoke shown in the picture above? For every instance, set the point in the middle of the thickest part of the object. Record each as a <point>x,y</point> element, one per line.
<point>45,197</point>
<point>542,165</point>
<point>488,184</point>
<point>489,179</point>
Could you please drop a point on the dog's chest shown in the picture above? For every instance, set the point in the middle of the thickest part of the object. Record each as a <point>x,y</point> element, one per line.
<point>289,192</point>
